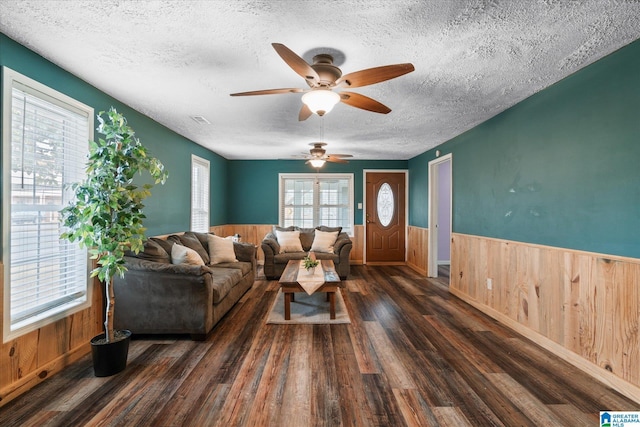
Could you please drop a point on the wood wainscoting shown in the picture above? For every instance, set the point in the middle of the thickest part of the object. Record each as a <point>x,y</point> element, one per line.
<point>35,356</point>
<point>417,249</point>
<point>583,306</point>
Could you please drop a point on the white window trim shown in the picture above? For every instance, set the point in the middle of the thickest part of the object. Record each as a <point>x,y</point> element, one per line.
<point>348,176</point>
<point>10,79</point>
<point>202,162</point>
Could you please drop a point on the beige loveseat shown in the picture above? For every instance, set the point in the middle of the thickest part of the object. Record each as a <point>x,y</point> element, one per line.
<point>159,296</point>
<point>276,255</point>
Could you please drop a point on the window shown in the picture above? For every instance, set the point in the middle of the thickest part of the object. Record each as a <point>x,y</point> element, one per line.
<point>199,194</point>
<point>45,143</point>
<point>309,200</point>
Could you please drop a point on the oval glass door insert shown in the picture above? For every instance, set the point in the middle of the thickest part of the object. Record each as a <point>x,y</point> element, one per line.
<point>385,204</point>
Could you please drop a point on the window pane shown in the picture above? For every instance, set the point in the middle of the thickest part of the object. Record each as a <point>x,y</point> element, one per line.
<point>385,204</point>
<point>311,201</point>
<point>49,144</point>
<point>199,194</point>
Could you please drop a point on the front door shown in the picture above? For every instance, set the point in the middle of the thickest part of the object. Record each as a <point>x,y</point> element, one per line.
<point>385,217</point>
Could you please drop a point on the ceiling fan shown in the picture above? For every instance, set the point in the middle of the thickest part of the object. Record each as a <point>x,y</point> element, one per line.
<point>322,77</point>
<point>318,156</point>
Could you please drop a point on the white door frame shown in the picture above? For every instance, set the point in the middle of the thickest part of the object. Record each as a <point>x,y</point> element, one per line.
<point>432,249</point>
<point>364,207</point>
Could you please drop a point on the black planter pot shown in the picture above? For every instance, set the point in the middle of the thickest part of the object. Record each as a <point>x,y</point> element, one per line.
<point>110,358</point>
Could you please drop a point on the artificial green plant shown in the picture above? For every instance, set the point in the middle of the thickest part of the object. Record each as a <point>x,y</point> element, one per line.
<point>106,213</point>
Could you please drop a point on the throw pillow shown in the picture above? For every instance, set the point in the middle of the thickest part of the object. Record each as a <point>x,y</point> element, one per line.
<point>324,241</point>
<point>189,240</point>
<point>184,255</point>
<point>221,249</point>
<point>289,241</point>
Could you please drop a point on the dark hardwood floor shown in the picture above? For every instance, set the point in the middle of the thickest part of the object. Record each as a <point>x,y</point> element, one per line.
<point>413,355</point>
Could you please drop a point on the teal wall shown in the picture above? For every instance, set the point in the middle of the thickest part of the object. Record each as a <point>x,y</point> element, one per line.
<point>253,198</point>
<point>168,208</point>
<point>561,168</point>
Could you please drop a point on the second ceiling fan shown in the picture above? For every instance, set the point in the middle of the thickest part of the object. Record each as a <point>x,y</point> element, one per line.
<point>318,155</point>
<point>322,77</point>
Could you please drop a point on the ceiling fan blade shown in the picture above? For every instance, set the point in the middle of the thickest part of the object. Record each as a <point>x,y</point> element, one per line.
<point>335,159</point>
<point>340,155</point>
<point>269,91</point>
<point>374,75</point>
<point>296,63</point>
<point>305,113</point>
<point>364,102</point>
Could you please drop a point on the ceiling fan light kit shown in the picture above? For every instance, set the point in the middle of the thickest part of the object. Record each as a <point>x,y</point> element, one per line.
<point>320,101</point>
<point>316,163</point>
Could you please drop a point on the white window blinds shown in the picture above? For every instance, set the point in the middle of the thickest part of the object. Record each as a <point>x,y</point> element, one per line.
<point>44,150</point>
<point>199,194</point>
<point>307,200</point>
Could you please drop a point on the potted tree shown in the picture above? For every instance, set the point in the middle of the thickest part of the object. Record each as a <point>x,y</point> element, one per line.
<point>106,218</point>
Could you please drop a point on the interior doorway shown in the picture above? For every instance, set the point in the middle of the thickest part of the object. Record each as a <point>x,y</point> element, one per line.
<point>440,214</point>
<point>385,217</point>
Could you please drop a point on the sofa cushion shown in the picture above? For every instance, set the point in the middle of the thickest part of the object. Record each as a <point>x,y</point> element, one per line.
<point>184,255</point>
<point>285,258</point>
<point>325,228</point>
<point>221,249</point>
<point>289,241</point>
<point>189,240</point>
<point>223,280</point>
<point>202,237</point>
<point>165,244</point>
<point>244,266</point>
<point>152,252</point>
<point>306,237</point>
<point>323,241</point>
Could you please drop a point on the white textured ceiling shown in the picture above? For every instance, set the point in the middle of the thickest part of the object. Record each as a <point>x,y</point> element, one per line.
<point>172,60</point>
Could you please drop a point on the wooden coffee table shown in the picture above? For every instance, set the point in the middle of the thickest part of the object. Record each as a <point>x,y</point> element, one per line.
<point>290,286</point>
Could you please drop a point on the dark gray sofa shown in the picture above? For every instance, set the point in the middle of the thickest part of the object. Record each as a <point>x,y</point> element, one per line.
<point>275,262</point>
<point>157,297</point>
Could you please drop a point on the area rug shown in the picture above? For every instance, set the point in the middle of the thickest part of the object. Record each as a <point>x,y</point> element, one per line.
<point>308,309</point>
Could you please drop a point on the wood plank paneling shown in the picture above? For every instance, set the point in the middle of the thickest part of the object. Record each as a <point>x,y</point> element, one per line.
<point>357,252</point>
<point>417,249</point>
<point>30,359</point>
<point>582,305</point>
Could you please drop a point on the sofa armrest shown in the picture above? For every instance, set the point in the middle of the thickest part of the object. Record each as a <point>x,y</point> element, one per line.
<point>247,252</point>
<point>244,251</point>
<point>270,244</point>
<point>341,242</point>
